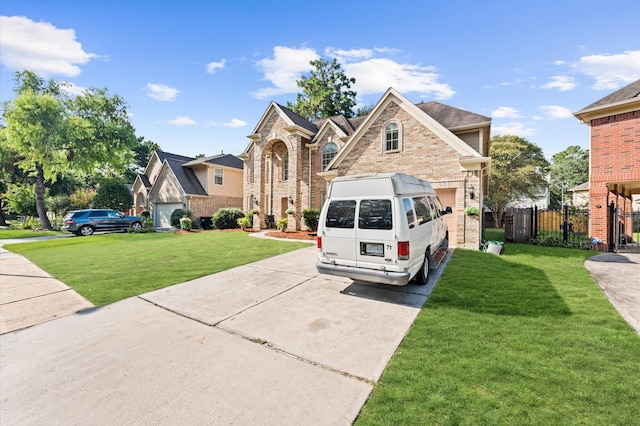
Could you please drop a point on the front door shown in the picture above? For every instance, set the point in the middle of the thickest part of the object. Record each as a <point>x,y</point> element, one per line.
<point>284,205</point>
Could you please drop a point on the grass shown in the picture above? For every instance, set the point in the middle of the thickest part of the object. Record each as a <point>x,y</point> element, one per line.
<point>522,338</point>
<point>6,234</point>
<point>111,267</point>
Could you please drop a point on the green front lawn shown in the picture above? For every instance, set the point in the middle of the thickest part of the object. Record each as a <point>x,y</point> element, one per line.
<point>6,234</point>
<point>111,267</point>
<point>525,338</point>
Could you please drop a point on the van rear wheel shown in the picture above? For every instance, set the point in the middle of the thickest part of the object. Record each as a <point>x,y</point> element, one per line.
<point>422,277</point>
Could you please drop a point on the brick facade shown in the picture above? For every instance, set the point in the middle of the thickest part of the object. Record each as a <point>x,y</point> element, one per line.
<point>424,154</point>
<point>615,159</point>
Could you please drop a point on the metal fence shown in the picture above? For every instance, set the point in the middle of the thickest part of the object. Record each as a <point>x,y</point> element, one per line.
<point>568,227</point>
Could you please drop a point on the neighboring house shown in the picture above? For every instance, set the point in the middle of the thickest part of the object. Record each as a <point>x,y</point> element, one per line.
<point>202,186</point>
<point>614,172</point>
<point>290,161</point>
<point>580,195</point>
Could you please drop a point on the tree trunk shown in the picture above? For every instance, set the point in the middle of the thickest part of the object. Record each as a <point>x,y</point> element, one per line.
<point>40,207</point>
<point>3,219</point>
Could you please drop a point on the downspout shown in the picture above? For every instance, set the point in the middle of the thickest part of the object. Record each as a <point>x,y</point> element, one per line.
<point>309,202</point>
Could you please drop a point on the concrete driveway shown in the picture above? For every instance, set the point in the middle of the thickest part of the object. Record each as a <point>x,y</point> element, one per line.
<point>272,342</point>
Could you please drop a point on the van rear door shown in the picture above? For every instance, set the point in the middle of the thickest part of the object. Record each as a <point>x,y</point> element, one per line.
<point>375,237</point>
<point>339,232</point>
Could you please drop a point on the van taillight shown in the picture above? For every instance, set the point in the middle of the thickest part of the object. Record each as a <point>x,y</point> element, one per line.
<point>403,250</point>
<point>319,243</point>
<point>69,222</point>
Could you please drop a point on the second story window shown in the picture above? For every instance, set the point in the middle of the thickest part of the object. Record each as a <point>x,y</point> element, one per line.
<point>391,137</point>
<point>218,176</point>
<point>285,167</point>
<point>328,152</point>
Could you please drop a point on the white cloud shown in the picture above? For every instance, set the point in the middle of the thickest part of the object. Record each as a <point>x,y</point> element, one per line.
<point>561,82</point>
<point>212,67</point>
<point>373,75</point>
<point>610,71</point>
<point>513,128</point>
<point>235,122</point>
<point>40,47</point>
<point>505,112</point>
<point>161,92</point>
<point>284,69</point>
<point>376,75</point>
<point>555,111</point>
<point>344,56</point>
<point>182,121</point>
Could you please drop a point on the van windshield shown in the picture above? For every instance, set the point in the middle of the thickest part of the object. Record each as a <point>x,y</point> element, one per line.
<point>375,214</point>
<point>341,214</point>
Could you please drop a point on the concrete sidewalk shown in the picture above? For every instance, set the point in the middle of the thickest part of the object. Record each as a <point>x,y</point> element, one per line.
<point>618,275</point>
<point>271,342</point>
<point>29,295</point>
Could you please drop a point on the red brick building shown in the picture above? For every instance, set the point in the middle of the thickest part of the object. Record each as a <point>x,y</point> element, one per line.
<point>614,173</point>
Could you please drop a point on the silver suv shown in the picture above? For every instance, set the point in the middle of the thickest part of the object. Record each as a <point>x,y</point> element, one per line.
<point>86,222</point>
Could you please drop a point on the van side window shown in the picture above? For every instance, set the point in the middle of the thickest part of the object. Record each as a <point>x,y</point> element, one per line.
<point>341,214</point>
<point>375,214</point>
<point>408,208</point>
<point>423,211</point>
<point>435,211</point>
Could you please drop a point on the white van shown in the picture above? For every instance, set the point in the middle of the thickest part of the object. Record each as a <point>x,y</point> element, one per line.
<point>381,228</point>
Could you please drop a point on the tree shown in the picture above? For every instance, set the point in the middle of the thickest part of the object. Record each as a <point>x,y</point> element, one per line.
<point>141,154</point>
<point>569,168</point>
<point>518,169</point>
<point>113,194</point>
<point>325,92</point>
<point>51,134</point>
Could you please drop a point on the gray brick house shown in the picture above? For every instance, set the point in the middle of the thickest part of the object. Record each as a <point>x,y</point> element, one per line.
<point>290,161</point>
<point>200,185</point>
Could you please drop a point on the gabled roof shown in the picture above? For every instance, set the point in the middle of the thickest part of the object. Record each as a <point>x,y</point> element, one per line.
<point>299,120</point>
<point>167,155</point>
<point>453,118</point>
<point>628,92</point>
<point>185,176</point>
<point>622,100</point>
<point>226,160</point>
<point>391,95</point>
<point>145,180</point>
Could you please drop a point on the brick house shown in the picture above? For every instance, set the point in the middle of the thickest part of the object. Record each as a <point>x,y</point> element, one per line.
<point>200,185</point>
<point>290,161</point>
<point>614,171</point>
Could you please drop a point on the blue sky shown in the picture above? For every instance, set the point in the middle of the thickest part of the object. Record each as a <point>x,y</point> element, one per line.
<point>198,75</point>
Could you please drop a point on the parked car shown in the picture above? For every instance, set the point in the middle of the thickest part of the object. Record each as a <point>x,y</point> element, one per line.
<point>86,222</point>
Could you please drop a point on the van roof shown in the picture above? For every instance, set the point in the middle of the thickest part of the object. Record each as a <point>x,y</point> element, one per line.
<point>390,184</point>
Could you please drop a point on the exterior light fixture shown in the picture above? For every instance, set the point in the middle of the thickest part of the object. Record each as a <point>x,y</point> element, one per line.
<point>472,193</point>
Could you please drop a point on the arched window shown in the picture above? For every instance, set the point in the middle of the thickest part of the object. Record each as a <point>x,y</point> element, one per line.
<point>328,152</point>
<point>391,137</point>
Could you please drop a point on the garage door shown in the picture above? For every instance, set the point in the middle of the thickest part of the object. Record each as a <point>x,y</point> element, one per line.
<point>448,198</point>
<point>163,212</point>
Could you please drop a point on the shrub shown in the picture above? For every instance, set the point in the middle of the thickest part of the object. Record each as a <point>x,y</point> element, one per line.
<point>282,223</point>
<point>177,214</point>
<point>227,218</point>
<point>311,217</point>
<point>185,223</point>
<point>243,222</point>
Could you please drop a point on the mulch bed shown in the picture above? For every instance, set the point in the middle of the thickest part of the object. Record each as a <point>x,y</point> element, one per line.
<point>289,235</point>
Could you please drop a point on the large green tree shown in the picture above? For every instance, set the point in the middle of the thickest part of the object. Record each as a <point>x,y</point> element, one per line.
<point>50,134</point>
<point>113,194</point>
<point>569,168</point>
<point>518,170</point>
<point>326,92</point>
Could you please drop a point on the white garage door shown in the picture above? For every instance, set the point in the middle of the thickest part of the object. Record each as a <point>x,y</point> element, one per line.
<point>163,214</point>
